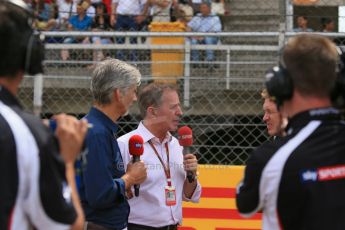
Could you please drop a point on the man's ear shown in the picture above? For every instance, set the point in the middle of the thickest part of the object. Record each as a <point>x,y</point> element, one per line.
<point>151,111</point>
<point>117,95</point>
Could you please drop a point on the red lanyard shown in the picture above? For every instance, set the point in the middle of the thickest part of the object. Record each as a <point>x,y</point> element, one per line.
<point>165,167</point>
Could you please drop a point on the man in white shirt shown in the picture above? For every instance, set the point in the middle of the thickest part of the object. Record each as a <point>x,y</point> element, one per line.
<point>160,10</point>
<point>159,204</point>
<point>67,8</point>
<point>127,15</point>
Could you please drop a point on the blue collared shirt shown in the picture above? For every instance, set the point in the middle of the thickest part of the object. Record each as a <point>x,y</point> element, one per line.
<point>78,24</point>
<point>102,191</point>
<point>209,23</point>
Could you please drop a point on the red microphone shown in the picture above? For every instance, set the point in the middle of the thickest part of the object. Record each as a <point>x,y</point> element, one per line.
<point>136,149</point>
<point>185,138</point>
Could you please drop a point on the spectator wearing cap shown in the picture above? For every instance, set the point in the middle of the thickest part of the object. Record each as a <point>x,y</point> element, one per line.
<point>91,9</point>
<point>182,11</point>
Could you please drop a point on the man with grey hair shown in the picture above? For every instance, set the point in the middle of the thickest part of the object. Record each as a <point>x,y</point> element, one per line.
<point>104,181</point>
<point>167,184</point>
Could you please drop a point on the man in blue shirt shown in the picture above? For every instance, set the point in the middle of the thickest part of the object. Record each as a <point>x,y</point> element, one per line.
<point>79,22</point>
<point>104,181</point>
<point>204,22</point>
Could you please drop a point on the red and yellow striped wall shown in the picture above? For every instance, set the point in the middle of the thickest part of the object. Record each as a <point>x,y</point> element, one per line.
<point>217,207</point>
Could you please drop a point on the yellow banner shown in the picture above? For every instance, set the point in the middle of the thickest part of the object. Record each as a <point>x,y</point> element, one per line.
<point>217,207</point>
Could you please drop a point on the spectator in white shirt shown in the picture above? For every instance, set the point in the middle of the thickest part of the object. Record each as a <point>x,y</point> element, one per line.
<point>160,10</point>
<point>127,15</point>
<point>67,8</point>
<point>160,107</point>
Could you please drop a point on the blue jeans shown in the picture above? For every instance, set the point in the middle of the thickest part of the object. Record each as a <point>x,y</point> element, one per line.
<point>205,41</point>
<point>126,23</point>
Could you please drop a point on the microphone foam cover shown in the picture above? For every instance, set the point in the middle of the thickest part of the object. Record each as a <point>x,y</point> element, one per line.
<point>185,136</point>
<point>136,145</point>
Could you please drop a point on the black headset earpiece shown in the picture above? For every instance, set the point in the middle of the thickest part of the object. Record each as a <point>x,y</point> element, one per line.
<point>338,93</point>
<point>33,45</point>
<point>279,84</point>
<point>34,55</point>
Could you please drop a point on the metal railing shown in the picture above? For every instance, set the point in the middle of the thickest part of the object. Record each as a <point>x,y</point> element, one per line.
<point>222,105</point>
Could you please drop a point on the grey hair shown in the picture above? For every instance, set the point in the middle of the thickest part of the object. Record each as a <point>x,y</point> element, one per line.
<point>151,95</point>
<point>112,74</point>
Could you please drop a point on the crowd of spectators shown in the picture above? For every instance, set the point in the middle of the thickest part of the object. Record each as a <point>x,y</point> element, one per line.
<point>326,24</point>
<point>134,15</point>
<point>56,15</point>
<point>122,15</point>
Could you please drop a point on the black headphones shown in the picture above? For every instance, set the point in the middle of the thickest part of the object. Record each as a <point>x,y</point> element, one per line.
<point>34,55</point>
<point>32,43</point>
<point>279,83</point>
<point>338,94</point>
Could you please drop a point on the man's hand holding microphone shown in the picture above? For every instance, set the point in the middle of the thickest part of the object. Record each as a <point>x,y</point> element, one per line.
<point>136,170</point>
<point>190,162</point>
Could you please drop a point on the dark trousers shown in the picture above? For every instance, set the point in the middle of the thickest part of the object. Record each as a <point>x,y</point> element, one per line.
<point>126,23</point>
<point>93,226</point>
<point>143,227</point>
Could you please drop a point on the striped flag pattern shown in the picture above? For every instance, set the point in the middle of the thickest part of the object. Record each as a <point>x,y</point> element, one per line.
<point>217,207</point>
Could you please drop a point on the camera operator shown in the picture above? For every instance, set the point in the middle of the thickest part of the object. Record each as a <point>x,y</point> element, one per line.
<point>36,170</point>
<point>299,180</point>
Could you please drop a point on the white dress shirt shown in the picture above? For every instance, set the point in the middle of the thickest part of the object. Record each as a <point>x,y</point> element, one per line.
<point>150,208</point>
<point>65,10</point>
<point>129,7</point>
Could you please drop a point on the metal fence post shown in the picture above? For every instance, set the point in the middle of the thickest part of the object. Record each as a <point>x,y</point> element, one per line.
<point>228,68</point>
<point>186,85</point>
<point>38,92</point>
<point>282,23</point>
<point>289,15</point>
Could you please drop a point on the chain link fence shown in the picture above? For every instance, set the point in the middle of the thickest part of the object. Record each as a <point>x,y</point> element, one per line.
<point>219,82</point>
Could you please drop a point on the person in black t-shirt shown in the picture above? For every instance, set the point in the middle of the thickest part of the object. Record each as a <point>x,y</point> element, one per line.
<point>101,22</point>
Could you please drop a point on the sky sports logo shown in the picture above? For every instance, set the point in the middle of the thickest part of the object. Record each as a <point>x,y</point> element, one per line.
<point>186,136</point>
<point>324,174</point>
<point>138,145</point>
